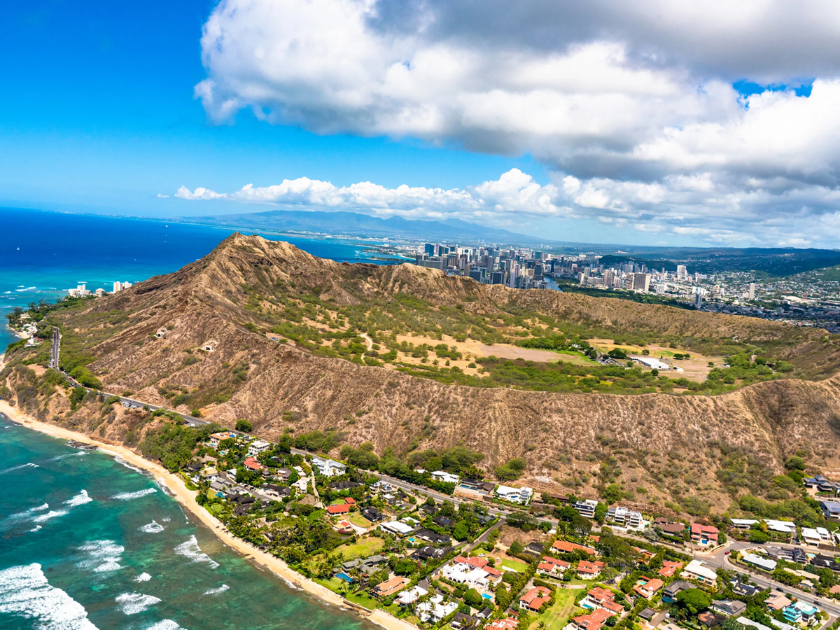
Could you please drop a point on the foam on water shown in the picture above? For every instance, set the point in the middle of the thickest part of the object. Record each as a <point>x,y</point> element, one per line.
<point>216,591</point>
<point>143,577</point>
<point>102,556</point>
<point>13,468</point>
<point>25,591</point>
<point>162,485</point>
<point>79,499</point>
<point>49,515</point>
<point>166,624</point>
<point>35,529</point>
<point>120,460</point>
<point>152,528</point>
<point>191,550</point>
<point>40,508</point>
<point>133,603</point>
<point>128,496</point>
<point>66,455</point>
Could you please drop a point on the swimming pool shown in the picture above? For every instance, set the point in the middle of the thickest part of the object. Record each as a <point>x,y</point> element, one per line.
<point>487,596</point>
<point>344,576</point>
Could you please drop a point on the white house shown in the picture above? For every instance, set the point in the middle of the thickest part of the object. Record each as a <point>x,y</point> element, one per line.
<point>514,495</point>
<point>445,477</point>
<point>328,467</point>
<point>411,595</point>
<point>257,447</point>
<point>465,574</point>
<point>631,519</point>
<point>757,561</point>
<point>434,610</point>
<point>785,527</point>
<point>697,570</point>
<point>395,527</point>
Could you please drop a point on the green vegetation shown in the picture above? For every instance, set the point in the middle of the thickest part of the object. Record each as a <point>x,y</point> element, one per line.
<point>173,443</point>
<point>244,426</point>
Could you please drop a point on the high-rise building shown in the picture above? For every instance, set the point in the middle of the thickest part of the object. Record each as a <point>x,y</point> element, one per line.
<point>752,290</point>
<point>497,277</point>
<point>609,275</point>
<point>430,249</point>
<point>641,281</point>
<point>682,273</point>
<point>698,300</point>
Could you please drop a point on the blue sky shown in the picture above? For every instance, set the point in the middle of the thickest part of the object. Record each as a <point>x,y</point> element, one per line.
<point>605,122</point>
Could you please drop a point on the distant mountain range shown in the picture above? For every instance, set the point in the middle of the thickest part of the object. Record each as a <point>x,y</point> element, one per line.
<point>356,224</point>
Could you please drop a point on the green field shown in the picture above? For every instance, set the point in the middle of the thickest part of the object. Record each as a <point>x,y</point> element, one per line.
<point>358,519</point>
<point>575,358</point>
<point>556,617</point>
<point>363,600</point>
<point>362,549</point>
<point>516,565</point>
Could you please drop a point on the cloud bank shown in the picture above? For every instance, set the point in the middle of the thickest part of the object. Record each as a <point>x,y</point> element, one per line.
<point>631,106</point>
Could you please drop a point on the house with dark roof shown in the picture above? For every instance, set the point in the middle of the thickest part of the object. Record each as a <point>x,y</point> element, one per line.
<point>443,521</point>
<point>431,536</point>
<point>670,592</point>
<point>372,514</point>
<point>431,553</point>
<point>460,620</point>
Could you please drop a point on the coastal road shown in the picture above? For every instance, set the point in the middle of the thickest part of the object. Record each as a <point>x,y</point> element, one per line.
<point>55,351</point>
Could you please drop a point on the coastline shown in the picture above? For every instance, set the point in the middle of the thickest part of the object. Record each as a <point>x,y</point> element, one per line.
<point>187,499</point>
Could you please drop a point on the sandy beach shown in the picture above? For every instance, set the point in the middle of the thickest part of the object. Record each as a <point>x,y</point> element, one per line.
<point>187,499</point>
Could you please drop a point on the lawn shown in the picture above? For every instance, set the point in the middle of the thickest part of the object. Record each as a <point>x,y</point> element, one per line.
<point>362,549</point>
<point>363,600</point>
<point>516,565</point>
<point>358,519</point>
<point>334,584</point>
<point>575,358</point>
<point>557,616</point>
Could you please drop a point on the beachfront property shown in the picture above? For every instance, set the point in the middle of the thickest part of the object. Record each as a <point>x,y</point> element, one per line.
<point>258,446</point>
<point>411,595</point>
<point>390,587</point>
<point>435,610</point>
<point>697,570</point>
<point>515,495</point>
<point>328,467</point>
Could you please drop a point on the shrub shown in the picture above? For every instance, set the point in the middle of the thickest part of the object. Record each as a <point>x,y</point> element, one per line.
<point>244,426</point>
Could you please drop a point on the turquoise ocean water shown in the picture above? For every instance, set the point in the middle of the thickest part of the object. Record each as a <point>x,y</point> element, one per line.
<point>42,254</point>
<point>87,542</point>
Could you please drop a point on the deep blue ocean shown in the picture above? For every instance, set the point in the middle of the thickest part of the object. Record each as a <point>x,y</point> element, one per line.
<point>42,254</point>
<point>85,541</point>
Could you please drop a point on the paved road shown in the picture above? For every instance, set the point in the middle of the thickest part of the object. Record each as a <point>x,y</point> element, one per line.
<point>55,351</point>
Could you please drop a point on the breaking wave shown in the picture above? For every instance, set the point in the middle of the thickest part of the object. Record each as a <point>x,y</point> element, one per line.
<point>13,468</point>
<point>79,499</point>
<point>102,556</point>
<point>143,577</point>
<point>152,528</point>
<point>25,591</point>
<point>49,515</point>
<point>216,591</point>
<point>166,624</point>
<point>191,550</point>
<point>128,496</point>
<point>133,603</point>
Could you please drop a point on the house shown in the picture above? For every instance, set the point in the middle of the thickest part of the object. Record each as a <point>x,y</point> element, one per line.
<point>344,485</point>
<point>589,570</point>
<point>626,517</point>
<point>831,509</point>
<point>344,528</point>
<point>431,553</point>
<point>434,610</point>
<point>395,527</point>
<point>561,546</point>
<point>460,620</point>
<point>746,590</point>
<point>344,508</point>
<point>729,607</point>
<point>593,621</point>
<point>783,553</point>
<point>258,446</point>
<point>648,587</point>
<point>431,510</point>
<point>800,612</point>
<point>534,599</point>
<point>601,598</point>
<point>816,536</point>
<point>283,473</point>
<point>217,438</point>
<point>535,548</point>
<point>743,523</point>
<point>432,536</point>
<point>697,570</point>
<point>443,521</point>
<point>646,555</point>
<point>390,587</point>
<point>777,601</point>
<point>711,620</point>
<point>474,562</point>
<point>783,527</point>
<point>350,501</point>
<point>411,595</point>
<point>515,495</point>
<point>465,574</point>
<point>669,568</point>
<point>765,564</point>
<point>328,467</point>
<point>704,534</point>
<point>672,530</point>
<point>372,514</point>
<point>478,485</point>
<point>586,508</point>
<point>825,562</point>
<point>275,492</point>
<point>252,464</point>
<point>552,567</point>
<point>503,624</point>
<point>669,594</point>
<point>444,477</point>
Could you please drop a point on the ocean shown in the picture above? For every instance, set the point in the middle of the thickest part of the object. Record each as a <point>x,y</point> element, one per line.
<point>89,543</point>
<point>42,254</point>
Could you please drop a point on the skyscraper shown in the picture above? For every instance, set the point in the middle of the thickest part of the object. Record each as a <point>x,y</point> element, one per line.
<point>752,290</point>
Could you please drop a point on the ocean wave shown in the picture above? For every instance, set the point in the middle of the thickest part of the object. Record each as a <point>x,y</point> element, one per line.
<point>152,528</point>
<point>191,550</point>
<point>49,515</point>
<point>26,289</point>
<point>66,455</point>
<point>162,485</point>
<point>79,499</point>
<point>133,603</point>
<point>128,496</point>
<point>216,591</point>
<point>102,556</point>
<point>35,529</point>
<point>143,577</point>
<point>39,508</point>
<point>120,460</point>
<point>25,591</point>
<point>166,624</point>
<point>28,465</point>
<point>166,519</point>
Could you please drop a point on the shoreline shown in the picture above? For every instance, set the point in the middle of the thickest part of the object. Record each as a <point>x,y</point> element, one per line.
<point>187,499</point>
